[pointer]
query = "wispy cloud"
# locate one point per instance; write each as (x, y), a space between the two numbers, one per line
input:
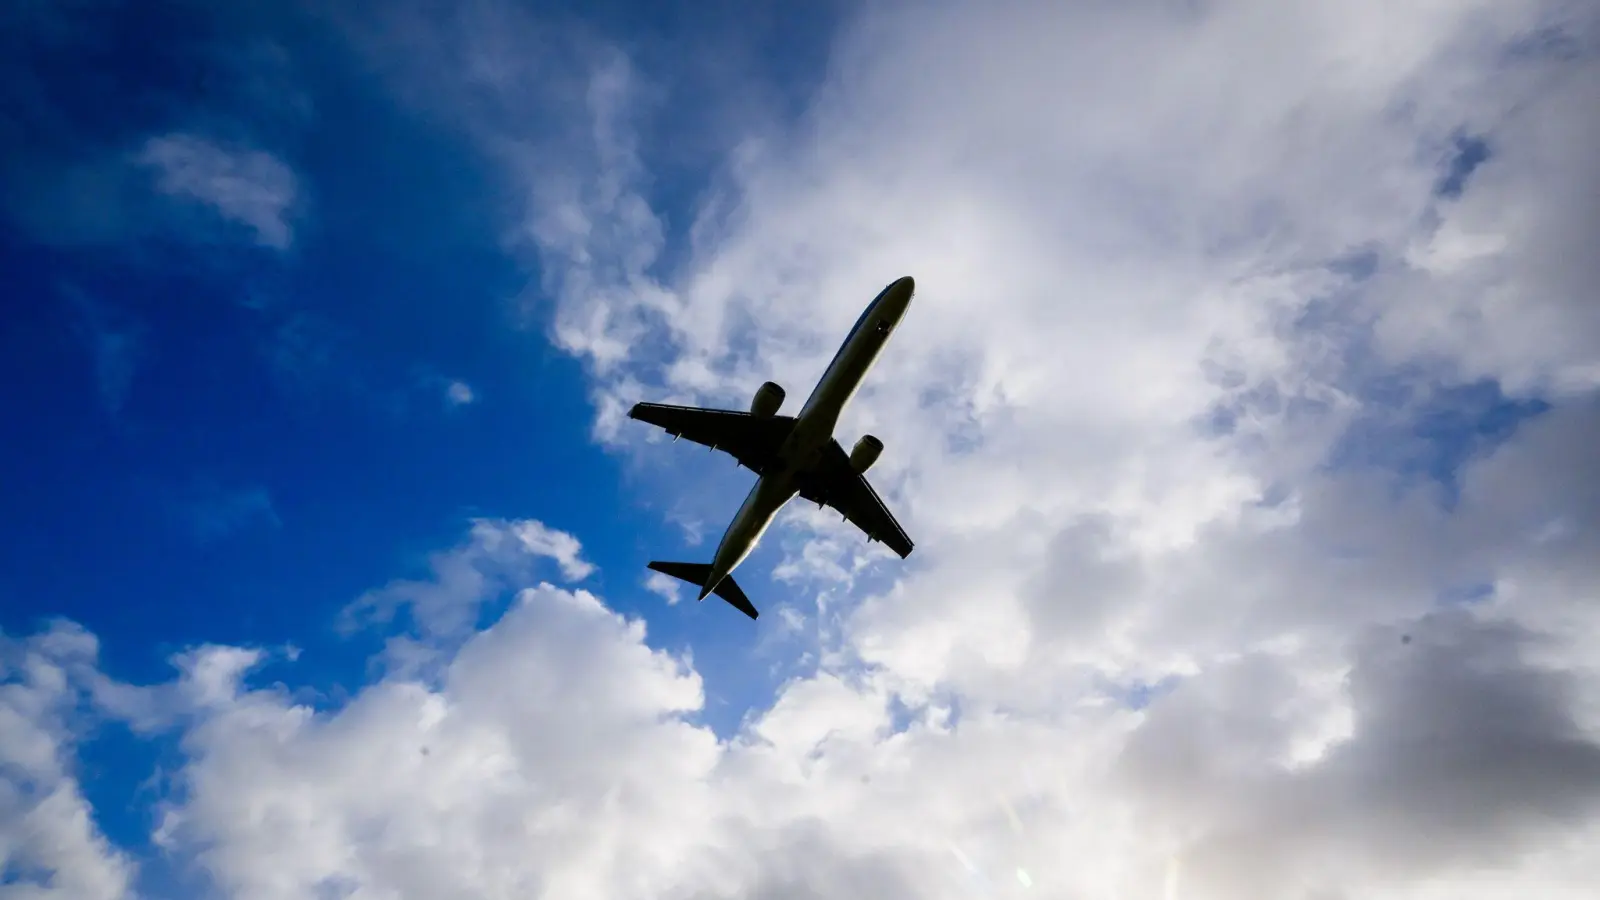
(496, 555)
(459, 393)
(212, 512)
(454, 392)
(664, 586)
(240, 185)
(115, 341)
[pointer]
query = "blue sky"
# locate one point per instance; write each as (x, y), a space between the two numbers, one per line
(213, 440)
(1257, 358)
(226, 441)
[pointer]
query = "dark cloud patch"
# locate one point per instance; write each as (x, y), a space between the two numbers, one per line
(1464, 751)
(807, 863)
(1465, 748)
(1084, 583)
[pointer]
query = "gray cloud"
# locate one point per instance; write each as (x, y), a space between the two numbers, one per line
(1462, 753)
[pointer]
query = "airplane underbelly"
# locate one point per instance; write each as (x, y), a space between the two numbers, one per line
(842, 378)
(769, 496)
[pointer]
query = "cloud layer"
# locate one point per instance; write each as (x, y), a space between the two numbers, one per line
(1243, 426)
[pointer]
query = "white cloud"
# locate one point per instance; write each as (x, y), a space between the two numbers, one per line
(548, 742)
(496, 555)
(535, 538)
(459, 393)
(243, 186)
(553, 753)
(1128, 224)
(50, 845)
(664, 586)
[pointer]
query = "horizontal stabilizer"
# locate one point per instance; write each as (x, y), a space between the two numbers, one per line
(697, 573)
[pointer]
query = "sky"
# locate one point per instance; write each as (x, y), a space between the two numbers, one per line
(1244, 420)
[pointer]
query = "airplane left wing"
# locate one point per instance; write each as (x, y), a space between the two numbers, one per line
(838, 485)
(752, 440)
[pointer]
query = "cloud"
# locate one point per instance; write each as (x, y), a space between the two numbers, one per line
(50, 845)
(539, 540)
(1160, 634)
(212, 512)
(665, 586)
(317, 359)
(496, 555)
(1170, 273)
(116, 342)
(551, 738)
(1459, 752)
(554, 750)
(459, 393)
(239, 185)
(81, 105)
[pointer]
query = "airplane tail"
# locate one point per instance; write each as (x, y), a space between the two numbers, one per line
(697, 573)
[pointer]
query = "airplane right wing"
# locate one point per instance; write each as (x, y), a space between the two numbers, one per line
(838, 485)
(752, 440)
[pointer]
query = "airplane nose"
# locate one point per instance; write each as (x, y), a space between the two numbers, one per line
(901, 290)
(895, 299)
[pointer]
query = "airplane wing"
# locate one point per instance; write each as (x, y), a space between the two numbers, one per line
(752, 440)
(837, 485)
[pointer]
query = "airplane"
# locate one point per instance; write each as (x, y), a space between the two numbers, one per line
(792, 454)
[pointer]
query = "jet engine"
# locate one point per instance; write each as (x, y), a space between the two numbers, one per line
(865, 453)
(767, 400)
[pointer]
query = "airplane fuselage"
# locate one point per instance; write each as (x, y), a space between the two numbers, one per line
(813, 428)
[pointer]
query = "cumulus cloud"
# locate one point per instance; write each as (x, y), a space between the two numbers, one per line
(1176, 267)
(242, 186)
(555, 752)
(1169, 631)
(551, 740)
(664, 586)
(50, 845)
